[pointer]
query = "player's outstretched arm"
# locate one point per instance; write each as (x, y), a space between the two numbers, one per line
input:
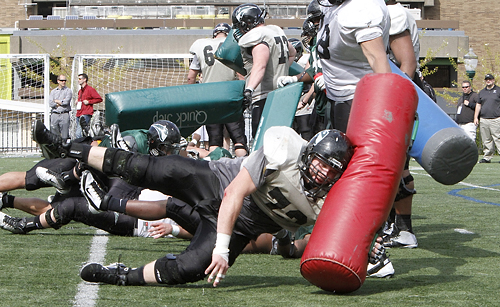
(230, 208)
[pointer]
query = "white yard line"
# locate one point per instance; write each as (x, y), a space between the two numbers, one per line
(87, 292)
(461, 182)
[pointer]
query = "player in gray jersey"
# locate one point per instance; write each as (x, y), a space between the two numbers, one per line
(352, 42)
(212, 70)
(280, 185)
(266, 53)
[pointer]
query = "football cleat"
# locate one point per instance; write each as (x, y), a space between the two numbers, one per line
(96, 197)
(52, 178)
(117, 140)
(400, 238)
(388, 228)
(13, 224)
(113, 274)
(85, 127)
(51, 144)
(382, 268)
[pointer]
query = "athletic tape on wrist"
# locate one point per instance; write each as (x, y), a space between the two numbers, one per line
(222, 246)
(175, 230)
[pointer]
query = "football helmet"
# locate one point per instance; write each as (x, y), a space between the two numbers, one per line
(334, 150)
(297, 44)
(246, 17)
(164, 138)
(221, 27)
(314, 11)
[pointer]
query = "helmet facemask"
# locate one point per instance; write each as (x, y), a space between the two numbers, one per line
(164, 138)
(323, 161)
(316, 181)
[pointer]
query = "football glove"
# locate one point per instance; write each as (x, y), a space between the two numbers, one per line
(285, 80)
(247, 97)
(319, 82)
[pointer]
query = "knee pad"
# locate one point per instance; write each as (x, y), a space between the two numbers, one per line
(48, 218)
(63, 213)
(116, 162)
(404, 191)
(167, 271)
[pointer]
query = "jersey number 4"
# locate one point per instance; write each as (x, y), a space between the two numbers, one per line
(282, 202)
(209, 55)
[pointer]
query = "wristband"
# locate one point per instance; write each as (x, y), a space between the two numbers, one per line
(222, 246)
(249, 89)
(194, 141)
(175, 230)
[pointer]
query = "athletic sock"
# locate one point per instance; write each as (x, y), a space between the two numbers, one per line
(33, 223)
(116, 204)
(403, 222)
(7, 201)
(135, 277)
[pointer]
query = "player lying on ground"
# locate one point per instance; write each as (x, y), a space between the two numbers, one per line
(287, 179)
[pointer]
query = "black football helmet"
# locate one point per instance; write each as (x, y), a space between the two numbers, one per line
(297, 44)
(221, 27)
(314, 11)
(246, 17)
(164, 138)
(332, 148)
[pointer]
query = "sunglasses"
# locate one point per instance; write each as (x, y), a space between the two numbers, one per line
(465, 86)
(63, 80)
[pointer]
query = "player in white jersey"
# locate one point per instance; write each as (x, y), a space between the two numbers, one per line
(212, 70)
(289, 177)
(404, 51)
(266, 53)
(352, 42)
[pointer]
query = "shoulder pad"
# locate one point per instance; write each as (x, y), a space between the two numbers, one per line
(399, 19)
(361, 14)
(260, 34)
(282, 146)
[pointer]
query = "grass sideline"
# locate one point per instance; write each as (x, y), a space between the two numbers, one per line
(456, 263)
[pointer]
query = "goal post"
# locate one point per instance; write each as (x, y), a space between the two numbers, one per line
(24, 94)
(110, 73)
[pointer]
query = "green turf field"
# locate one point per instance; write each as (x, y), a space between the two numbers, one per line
(456, 263)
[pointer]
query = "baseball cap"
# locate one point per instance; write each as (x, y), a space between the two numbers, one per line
(489, 76)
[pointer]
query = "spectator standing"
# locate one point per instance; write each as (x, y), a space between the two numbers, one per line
(466, 107)
(87, 97)
(488, 114)
(60, 105)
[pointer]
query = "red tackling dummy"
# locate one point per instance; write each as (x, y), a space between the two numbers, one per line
(380, 127)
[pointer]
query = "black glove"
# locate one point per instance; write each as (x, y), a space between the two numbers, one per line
(247, 97)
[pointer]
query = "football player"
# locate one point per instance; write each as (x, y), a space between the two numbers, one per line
(204, 63)
(281, 185)
(266, 53)
(352, 41)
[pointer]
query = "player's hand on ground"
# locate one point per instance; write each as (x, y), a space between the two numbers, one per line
(160, 230)
(217, 270)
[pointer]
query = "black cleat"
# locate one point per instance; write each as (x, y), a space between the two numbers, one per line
(13, 224)
(52, 178)
(97, 198)
(52, 145)
(113, 274)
